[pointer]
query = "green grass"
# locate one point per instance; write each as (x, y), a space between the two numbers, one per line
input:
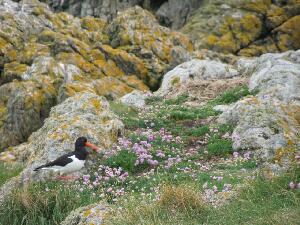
(129, 115)
(34, 205)
(123, 159)
(261, 202)
(232, 95)
(8, 171)
(219, 147)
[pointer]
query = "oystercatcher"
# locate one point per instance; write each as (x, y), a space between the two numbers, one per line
(72, 161)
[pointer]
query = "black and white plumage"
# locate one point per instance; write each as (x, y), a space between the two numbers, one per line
(70, 162)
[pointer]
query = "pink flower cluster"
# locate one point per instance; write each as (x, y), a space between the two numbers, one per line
(142, 150)
(246, 156)
(172, 161)
(218, 178)
(113, 173)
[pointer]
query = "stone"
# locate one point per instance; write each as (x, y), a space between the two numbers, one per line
(138, 32)
(195, 70)
(247, 28)
(135, 99)
(268, 123)
(91, 214)
(171, 13)
(84, 114)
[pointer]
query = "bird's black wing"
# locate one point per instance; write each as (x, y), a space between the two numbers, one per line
(61, 161)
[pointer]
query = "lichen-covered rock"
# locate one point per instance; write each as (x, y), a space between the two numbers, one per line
(268, 123)
(84, 114)
(92, 214)
(135, 98)
(247, 28)
(137, 32)
(171, 13)
(195, 70)
(52, 56)
(23, 108)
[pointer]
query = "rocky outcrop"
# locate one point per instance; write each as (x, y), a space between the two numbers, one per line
(174, 13)
(46, 57)
(84, 114)
(158, 48)
(269, 122)
(247, 28)
(171, 13)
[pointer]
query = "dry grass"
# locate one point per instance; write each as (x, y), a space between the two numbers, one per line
(181, 198)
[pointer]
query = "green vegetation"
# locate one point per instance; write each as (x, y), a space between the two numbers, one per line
(261, 202)
(43, 204)
(8, 171)
(219, 147)
(123, 159)
(170, 158)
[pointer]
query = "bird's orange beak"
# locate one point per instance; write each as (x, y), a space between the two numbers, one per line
(92, 146)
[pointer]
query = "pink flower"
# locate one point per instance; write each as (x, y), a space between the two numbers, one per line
(109, 190)
(292, 185)
(235, 154)
(215, 188)
(160, 154)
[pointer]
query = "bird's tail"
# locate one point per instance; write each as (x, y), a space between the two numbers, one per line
(38, 168)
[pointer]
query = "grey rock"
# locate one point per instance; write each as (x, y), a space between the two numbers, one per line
(195, 70)
(84, 114)
(171, 13)
(91, 214)
(268, 122)
(135, 98)
(174, 13)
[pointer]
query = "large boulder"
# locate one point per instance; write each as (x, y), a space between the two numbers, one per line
(268, 123)
(136, 99)
(137, 31)
(247, 28)
(84, 114)
(194, 71)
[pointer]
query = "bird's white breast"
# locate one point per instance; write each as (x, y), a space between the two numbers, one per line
(73, 166)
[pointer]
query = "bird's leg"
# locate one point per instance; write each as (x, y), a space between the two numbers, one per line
(68, 178)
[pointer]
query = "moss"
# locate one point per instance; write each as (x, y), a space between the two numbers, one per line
(259, 6)
(288, 34)
(13, 70)
(134, 82)
(33, 50)
(93, 24)
(109, 68)
(175, 81)
(211, 40)
(111, 88)
(96, 54)
(276, 16)
(71, 89)
(77, 60)
(96, 103)
(47, 36)
(38, 10)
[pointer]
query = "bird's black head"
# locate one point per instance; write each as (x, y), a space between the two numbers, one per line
(80, 143)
